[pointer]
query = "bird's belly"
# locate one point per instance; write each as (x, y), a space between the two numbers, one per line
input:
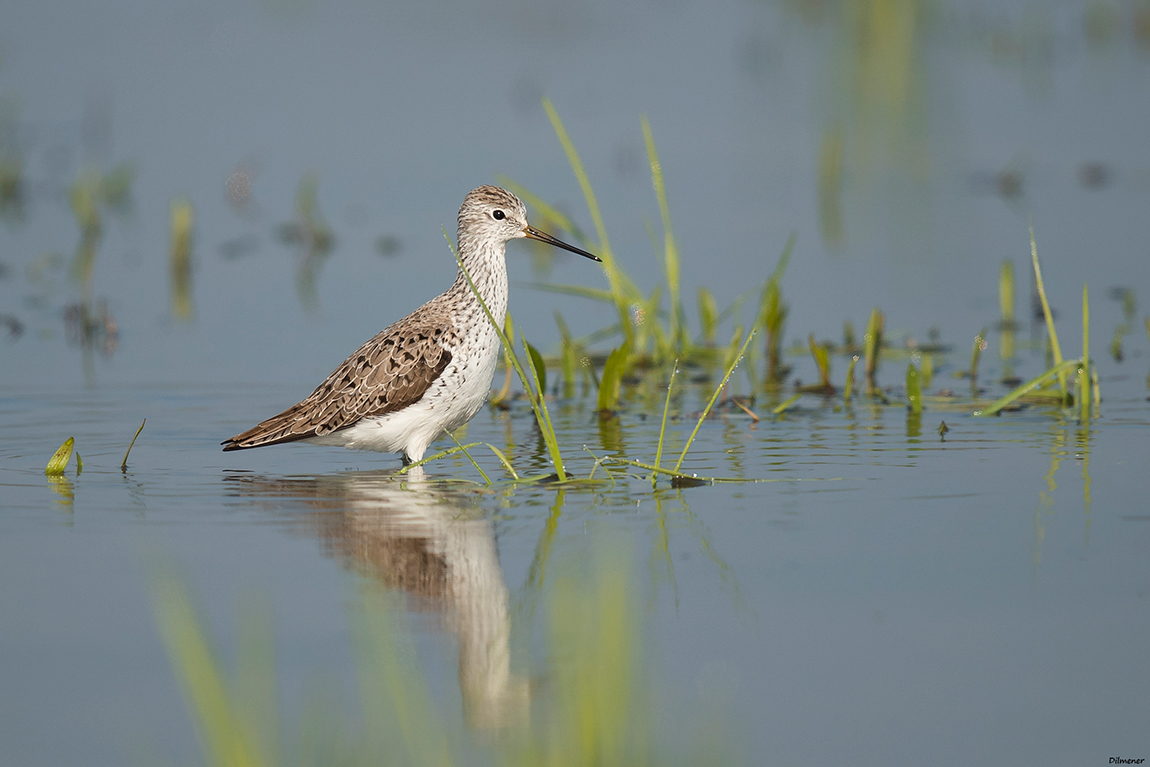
(402, 431)
(464, 386)
(452, 401)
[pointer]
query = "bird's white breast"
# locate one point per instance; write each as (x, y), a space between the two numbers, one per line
(455, 397)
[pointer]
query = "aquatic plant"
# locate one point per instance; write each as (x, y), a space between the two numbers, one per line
(773, 314)
(873, 345)
(623, 290)
(711, 403)
(59, 460)
(611, 379)
(183, 217)
(848, 385)
(708, 315)
(913, 389)
(1051, 333)
(569, 354)
(677, 337)
(1086, 375)
(1083, 390)
(786, 404)
(124, 463)
(310, 232)
(1006, 326)
(91, 196)
(640, 315)
(821, 355)
(975, 356)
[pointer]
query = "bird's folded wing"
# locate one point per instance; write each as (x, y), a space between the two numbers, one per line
(386, 374)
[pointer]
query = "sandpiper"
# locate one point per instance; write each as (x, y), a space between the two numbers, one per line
(430, 372)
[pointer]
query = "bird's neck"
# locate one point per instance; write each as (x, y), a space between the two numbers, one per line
(486, 263)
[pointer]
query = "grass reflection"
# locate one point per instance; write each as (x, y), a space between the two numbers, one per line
(1082, 441)
(1046, 497)
(596, 708)
(661, 552)
(1060, 449)
(311, 234)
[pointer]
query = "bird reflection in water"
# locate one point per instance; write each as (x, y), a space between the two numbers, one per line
(430, 542)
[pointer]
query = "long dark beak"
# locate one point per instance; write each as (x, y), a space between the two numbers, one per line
(534, 234)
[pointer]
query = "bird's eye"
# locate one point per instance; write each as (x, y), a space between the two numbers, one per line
(498, 215)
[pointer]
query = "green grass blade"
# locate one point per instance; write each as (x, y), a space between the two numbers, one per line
(913, 389)
(873, 341)
(545, 424)
(462, 449)
(435, 457)
(183, 217)
(735, 306)
(503, 460)
(255, 683)
(59, 460)
(617, 461)
(124, 463)
(663, 426)
(612, 377)
(549, 213)
(670, 250)
(848, 386)
(733, 349)
(1006, 307)
(1054, 372)
(785, 258)
(1006, 292)
(976, 354)
(595, 294)
(1051, 333)
(1082, 392)
(708, 314)
(782, 406)
(568, 356)
(201, 678)
(79, 464)
(773, 311)
(1097, 390)
(715, 396)
(614, 275)
(822, 361)
(1084, 368)
(537, 363)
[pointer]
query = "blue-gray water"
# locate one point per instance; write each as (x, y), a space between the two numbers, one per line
(978, 600)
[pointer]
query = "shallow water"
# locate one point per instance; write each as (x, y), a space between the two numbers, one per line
(882, 596)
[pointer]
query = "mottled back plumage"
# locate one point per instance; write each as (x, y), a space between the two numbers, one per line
(388, 373)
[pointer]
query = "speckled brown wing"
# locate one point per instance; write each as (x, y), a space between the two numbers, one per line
(386, 374)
